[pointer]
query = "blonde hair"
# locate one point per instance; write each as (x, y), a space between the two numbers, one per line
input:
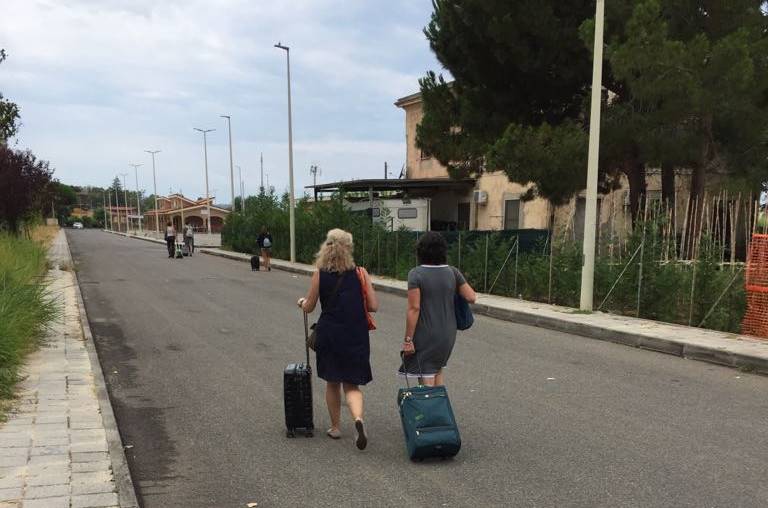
(335, 254)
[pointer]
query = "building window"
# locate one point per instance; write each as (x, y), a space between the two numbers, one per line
(512, 214)
(424, 154)
(407, 213)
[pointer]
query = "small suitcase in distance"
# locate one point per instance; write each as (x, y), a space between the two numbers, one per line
(428, 422)
(255, 263)
(185, 250)
(297, 394)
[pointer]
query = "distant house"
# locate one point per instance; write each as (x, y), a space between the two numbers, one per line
(180, 210)
(121, 216)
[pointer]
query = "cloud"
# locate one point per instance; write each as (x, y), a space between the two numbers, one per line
(100, 81)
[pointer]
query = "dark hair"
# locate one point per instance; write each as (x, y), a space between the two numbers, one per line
(264, 230)
(431, 249)
(169, 223)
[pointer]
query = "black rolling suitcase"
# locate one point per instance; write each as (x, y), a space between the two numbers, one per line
(297, 393)
(255, 263)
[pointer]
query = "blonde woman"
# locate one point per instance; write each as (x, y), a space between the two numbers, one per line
(342, 346)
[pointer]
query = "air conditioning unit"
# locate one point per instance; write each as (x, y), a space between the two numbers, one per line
(480, 197)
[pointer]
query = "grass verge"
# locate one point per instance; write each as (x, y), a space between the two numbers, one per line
(25, 306)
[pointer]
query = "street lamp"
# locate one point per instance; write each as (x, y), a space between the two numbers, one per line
(231, 170)
(590, 211)
(138, 201)
(154, 182)
(240, 179)
(292, 200)
(109, 196)
(125, 191)
(205, 155)
(117, 203)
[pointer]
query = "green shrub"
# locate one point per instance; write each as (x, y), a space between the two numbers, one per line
(519, 270)
(25, 308)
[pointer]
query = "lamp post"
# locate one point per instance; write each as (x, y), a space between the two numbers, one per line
(231, 169)
(240, 180)
(590, 212)
(292, 200)
(117, 204)
(125, 192)
(110, 211)
(205, 155)
(154, 182)
(138, 200)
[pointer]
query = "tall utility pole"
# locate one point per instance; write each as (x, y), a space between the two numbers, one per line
(261, 158)
(240, 182)
(125, 191)
(590, 212)
(154, 182)
(385, 170)
(117, 204)
(231, 168)
(292, 198)
(205, 155)
(104, 206)
(138, 200)
(111, 228)
(313, 171)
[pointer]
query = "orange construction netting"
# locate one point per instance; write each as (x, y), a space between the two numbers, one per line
(756, 318)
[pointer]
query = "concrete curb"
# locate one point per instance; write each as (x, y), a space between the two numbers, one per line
(568, 322)
(126, 493)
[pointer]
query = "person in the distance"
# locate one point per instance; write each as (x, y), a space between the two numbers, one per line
(264, 241)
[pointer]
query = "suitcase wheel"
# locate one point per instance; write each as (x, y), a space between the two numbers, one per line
(310, 434)
(290, 434)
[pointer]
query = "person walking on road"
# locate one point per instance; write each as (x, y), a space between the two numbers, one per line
(430, 325)
(189, 238)
(264, 242)
(170, 239)
(342, 344)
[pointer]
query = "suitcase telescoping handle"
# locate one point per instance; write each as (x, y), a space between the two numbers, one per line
(405, 371)
(306, 335)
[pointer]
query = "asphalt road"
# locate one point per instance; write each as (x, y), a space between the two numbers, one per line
(193, 352)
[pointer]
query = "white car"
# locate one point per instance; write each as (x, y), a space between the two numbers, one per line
(77, 225)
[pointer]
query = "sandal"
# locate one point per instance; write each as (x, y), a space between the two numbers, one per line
(362, 439)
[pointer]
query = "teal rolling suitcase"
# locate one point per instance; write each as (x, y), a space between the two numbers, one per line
(428, 422)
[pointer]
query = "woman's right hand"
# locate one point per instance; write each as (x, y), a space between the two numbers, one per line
(408, 347)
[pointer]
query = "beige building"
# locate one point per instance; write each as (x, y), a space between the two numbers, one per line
(180, 210)
(495, 203)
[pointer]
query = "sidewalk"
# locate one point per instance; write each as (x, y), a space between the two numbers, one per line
(728, 349)
(731, 350)
(60, 446)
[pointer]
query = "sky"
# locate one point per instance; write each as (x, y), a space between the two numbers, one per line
(100, 81)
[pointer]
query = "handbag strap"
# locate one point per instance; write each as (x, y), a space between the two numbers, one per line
(306, 335)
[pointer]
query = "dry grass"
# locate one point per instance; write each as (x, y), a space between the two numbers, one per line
(44, 234)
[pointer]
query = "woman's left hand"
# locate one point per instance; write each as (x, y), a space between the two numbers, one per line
(300, 302)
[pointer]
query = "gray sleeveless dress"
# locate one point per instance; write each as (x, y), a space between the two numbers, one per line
(436, 328)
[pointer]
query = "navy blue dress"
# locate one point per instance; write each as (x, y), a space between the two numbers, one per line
(343, 348)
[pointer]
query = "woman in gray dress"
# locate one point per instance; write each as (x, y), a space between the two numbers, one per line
(430, 325)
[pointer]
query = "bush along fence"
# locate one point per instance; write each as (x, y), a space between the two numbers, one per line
(647, 281)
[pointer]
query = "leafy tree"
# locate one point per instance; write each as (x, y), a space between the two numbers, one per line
(700, 68)
(9, 112)
(521, 80)
(25, 182)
